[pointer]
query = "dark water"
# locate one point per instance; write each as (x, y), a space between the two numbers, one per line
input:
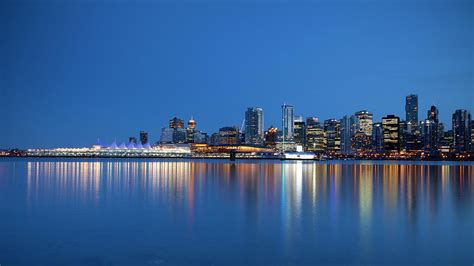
(211, 212)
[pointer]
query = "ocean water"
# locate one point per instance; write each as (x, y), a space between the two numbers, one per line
(217, 212)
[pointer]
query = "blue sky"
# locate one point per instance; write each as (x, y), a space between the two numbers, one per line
(76, 71)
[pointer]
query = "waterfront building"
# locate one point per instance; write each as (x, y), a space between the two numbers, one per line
(229, 136)
(254, 126)
(192, 123)
(365, 119)
(472, 136)
(143, 137)
(299, 128)
(332, 135)
(461, 131)
(314, 135)
(190, 130)
(430, 131)
(271, 137)
(199, 137)
(179, 135)
(446, 142)
(362, 137)
(166, 135)
(403, 130)
(214, 139)
(173, 135)
(411, 111)
(287, 113)
(377, 138)
(391, 134)
(176, 122)
(349, 128)
(132, 140)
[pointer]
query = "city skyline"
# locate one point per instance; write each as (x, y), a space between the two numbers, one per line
(363, 127)
(68, 81)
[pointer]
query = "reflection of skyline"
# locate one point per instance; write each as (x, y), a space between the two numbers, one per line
(297, 188)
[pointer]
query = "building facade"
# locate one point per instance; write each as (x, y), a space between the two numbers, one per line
(391, 134)
(461, 131)
(254, 132)
(332, 135)
(287, 113)
(143, 137)
(299, 127)
(229, 136)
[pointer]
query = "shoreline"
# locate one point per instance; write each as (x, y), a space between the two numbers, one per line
(244, 158)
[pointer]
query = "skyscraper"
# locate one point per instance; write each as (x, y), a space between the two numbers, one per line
(411, 111)
(461, 131)
(349, 127)
(191, 123)
(287, 113)
(332, 135)
(391, 134)
(314, 135)
(271, 137)
(430, 131)
(190, 130)
(377, 137)
(472, 135)
(365, 119)
(254, 132)
(132, 140)
(143, 137)
(176, 123)
(299, 130)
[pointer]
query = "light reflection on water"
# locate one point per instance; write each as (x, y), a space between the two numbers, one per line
(272, 212)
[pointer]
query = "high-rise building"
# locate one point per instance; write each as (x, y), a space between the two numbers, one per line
(299, 128)
(254, 126)
(349, 128)
(132, 140)
(143, 137)
(191, 123)
(229, 136)
(314, 135)
(411, 111)
(391, 133)
(461, 131)
(362, 137)
(430, 131)
(176, 123)
(271, 137)
(365, 119)
(402, 132)
(377, 137)
(166, 135)
(332, 135)
(190, 130)
(446, 142)
(199, 137)
(472, 135)
(214, 139)
(287, 113)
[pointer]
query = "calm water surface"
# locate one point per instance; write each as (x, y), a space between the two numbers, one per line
(211, 212)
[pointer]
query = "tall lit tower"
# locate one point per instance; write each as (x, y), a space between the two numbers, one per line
(365, 121)
(254, 132)
(461, 131)
(391, 133)
(287, 113)
(191, 123)
(411, 111)
(143, 137)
